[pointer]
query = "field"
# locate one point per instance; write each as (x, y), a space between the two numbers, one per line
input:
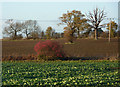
(88, 70)
(65, 73)
(82, 48)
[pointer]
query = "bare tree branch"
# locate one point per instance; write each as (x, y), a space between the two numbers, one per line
(95, 19)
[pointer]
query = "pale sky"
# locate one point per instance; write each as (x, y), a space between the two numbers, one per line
(51, 11)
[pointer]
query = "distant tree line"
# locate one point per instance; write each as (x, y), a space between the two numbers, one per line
(30, 29)
(77, 26)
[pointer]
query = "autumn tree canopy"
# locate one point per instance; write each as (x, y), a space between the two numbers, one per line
(49, 32)
(75, 22)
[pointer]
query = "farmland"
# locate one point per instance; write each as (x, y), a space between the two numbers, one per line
(66, 73)
(80, 48)
(66, 44)
(69, 73)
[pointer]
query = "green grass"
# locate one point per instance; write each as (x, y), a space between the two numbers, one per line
(81, 73)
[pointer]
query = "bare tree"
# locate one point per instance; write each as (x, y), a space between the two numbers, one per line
(12, 28)
(96, 18)
(36, 31)
(27, 27)
(31, 29)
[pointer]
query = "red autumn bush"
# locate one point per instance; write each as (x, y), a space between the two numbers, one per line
(48, 50)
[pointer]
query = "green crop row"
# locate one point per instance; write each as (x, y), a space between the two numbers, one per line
(68, 73)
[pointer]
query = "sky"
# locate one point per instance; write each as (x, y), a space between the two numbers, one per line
(48, 13)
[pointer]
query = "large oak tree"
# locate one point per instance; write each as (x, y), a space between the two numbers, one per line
(95, 18)
(75, 22)
(12, 28)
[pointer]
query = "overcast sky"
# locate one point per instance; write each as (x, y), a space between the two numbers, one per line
(51, 11)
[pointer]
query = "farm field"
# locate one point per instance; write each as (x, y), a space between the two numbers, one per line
(69, 73)
(66, 44)
(81, 72)
(80, 48)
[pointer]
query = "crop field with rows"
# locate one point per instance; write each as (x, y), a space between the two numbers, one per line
(80, 48)
(69, 73)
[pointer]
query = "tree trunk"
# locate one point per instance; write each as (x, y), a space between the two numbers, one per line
(109, 31)
(26, 34)
(96, 34)
(15, 35)
(70, 38)
(78, 33)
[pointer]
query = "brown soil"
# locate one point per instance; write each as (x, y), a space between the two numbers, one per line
(81, 48)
